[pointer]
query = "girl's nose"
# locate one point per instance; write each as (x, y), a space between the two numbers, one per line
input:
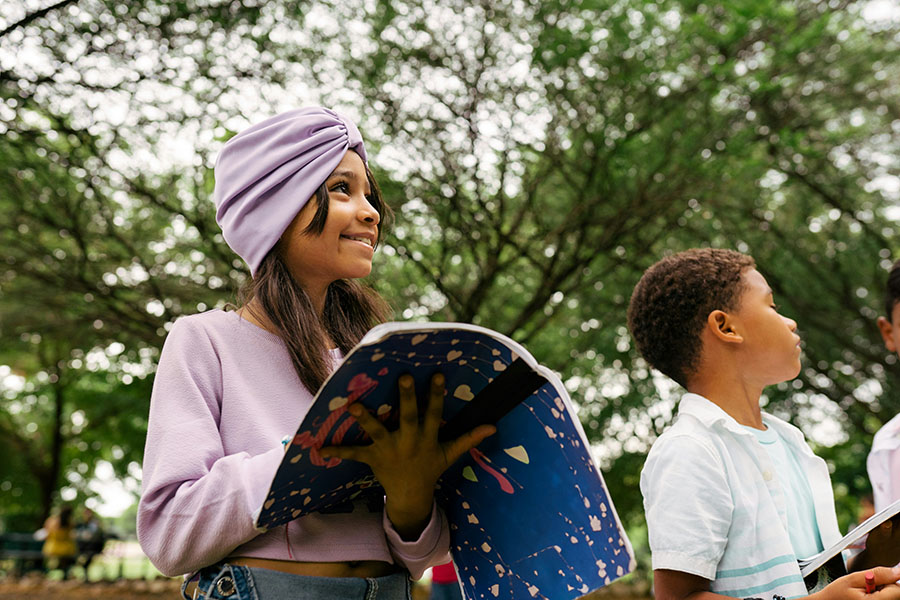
(367, 212)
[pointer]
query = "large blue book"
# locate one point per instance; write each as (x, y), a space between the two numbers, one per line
(529, 513)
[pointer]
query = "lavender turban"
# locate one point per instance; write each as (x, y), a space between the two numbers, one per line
(267, 173)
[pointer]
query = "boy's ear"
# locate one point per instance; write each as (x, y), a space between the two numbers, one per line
(721, 325)
(887, 333)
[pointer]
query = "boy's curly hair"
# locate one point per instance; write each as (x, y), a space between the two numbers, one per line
(673, 299)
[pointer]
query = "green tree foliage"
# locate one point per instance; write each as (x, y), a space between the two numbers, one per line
(539, 156)
(103, 245)
(552, 151)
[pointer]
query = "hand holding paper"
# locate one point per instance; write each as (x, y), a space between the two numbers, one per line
(409, 461)
(882, 546)
(528, 511)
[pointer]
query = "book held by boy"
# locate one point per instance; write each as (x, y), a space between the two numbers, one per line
(529, 512)
(828, 565)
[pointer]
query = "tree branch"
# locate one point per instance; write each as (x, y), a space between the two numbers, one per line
(36, 15)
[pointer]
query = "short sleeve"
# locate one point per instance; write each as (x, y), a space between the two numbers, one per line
(688, 505)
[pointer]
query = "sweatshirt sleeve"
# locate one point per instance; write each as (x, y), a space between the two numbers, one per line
(432, 547)
(197, 503)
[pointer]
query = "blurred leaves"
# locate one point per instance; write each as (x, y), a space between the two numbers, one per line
(539, 156)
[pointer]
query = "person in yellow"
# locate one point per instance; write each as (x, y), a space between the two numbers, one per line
(59, 548)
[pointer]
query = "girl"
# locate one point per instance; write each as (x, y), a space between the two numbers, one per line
(296, 200)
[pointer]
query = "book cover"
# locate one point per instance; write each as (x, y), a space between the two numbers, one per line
(828, 565)
(529, 513)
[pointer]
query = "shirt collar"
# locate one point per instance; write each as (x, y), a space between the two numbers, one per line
(710, 414)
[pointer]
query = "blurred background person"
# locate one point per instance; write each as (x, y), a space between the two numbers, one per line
(59, 548)
(90, 538)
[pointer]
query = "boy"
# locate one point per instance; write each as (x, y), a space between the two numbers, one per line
(884, 459)
(732, 495)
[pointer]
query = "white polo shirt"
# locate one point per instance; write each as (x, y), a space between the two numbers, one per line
(715, 508)
(883, 464)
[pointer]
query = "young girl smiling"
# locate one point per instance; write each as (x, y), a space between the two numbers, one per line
(296, 200)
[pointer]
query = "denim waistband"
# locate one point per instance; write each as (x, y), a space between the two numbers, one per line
(237, 582)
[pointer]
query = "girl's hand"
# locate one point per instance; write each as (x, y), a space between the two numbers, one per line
(853, 586)
(409, 461)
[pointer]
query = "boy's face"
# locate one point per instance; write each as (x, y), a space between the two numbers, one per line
(890, 330)
(770, 348)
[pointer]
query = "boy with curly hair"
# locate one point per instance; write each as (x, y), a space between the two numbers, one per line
(732, 495)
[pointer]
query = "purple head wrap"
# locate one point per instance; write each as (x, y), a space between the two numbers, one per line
(267, 173)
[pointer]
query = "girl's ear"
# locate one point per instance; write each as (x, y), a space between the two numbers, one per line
(721, 325)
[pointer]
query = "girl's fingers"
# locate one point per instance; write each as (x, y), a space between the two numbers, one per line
(342, 452)
(363, 454)
(456, 448)
(369, 424)
(409, 412)
(412, 440)
(435, 408)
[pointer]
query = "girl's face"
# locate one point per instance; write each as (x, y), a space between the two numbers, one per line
(346, 244)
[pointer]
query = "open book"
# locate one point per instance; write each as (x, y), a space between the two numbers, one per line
(829, 563)
(529, 513)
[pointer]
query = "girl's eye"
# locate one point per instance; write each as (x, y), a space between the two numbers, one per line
(340, 187)
(775, 306)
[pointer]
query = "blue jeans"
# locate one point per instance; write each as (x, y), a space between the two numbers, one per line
(235, 582)
(445, 591)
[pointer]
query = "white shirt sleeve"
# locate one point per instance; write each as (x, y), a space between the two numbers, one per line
(688, 506)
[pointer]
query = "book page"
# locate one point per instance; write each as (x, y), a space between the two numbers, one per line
(808, 565)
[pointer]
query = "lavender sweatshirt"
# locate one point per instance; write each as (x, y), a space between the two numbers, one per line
(224, 395)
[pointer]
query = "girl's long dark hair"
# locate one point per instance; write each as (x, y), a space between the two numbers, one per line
(351, 308)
